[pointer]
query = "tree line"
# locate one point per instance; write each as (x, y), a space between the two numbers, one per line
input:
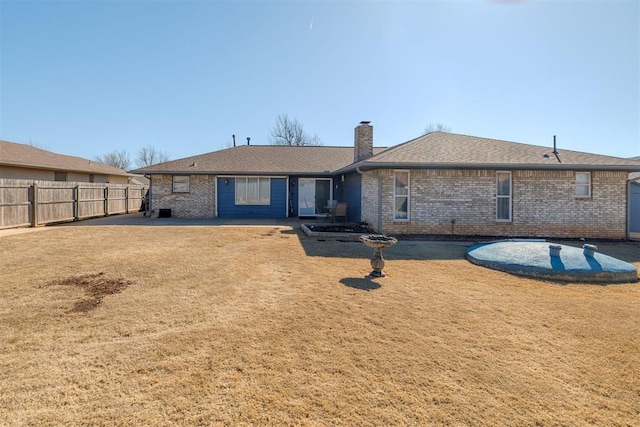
(145, 156)
(286, 131)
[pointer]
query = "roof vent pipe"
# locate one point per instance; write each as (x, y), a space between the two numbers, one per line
(234, 140)
(248, 141)
(554, 145)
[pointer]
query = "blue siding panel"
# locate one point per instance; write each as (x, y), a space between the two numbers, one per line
(351, 194)
(227, 207)
(634, 208)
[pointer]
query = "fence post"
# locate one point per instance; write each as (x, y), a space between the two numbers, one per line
(76, 203)
(126, 199)
(34, 205)
(106, 201)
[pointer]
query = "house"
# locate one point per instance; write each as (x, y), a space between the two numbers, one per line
(21, 161)
(255, 181)
(439, 183)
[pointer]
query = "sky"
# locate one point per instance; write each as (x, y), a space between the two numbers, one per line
(85, 78)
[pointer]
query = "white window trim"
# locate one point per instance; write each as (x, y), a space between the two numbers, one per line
(588, 184)
(246, 178)
(503, 196)
(396, 196)
(173, 184)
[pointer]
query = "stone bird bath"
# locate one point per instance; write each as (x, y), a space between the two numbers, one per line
(377, 242)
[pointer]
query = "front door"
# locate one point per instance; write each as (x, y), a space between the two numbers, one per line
(313, 196)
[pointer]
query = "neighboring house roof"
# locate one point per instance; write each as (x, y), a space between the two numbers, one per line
(139, 180)
(260, 159)
(26, 156)
(448, 150)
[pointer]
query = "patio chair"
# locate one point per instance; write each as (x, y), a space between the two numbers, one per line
(340, 213)
(330, 209)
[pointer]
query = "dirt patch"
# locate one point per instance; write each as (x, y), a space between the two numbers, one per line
(96, 286)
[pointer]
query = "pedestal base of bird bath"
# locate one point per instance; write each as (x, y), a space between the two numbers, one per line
(377, 242)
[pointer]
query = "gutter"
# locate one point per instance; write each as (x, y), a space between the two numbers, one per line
(327, 174)
(492, 166)
(360, 167)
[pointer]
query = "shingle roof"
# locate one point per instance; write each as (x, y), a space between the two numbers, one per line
(26, 156)
(448, 150)
(434, 150)
(260, 159)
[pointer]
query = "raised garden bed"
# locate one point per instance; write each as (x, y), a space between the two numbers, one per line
(347, 231)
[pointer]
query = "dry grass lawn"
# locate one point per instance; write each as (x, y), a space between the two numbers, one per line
(263, 326)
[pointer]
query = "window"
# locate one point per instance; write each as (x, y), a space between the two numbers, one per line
(583, 184)
(503, 196)
(180, 184)
(253, 191)
(60, 176)
(401, 196)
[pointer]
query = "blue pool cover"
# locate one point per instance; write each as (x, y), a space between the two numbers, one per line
(533, 259)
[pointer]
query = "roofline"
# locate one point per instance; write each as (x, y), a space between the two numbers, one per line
(66, 169)
(238, 173)
(363, 166)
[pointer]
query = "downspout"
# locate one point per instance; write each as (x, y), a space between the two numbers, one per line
(628, 231)
(286, 203)
(215, 188)
(361, 204)
(149, 208)
(379, 228)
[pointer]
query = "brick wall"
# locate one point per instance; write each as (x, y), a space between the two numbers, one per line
(463, 202)
(370, 198)
(199, 202)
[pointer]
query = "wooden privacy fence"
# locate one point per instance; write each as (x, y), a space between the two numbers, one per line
(32, 203)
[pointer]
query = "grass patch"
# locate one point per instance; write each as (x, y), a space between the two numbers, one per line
(246, 326)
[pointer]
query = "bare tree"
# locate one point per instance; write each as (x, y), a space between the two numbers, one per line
(149, 155)
(290, 132)
(436, 127)
(118, 159)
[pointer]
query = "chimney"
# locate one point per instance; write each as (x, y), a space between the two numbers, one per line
(363, 141)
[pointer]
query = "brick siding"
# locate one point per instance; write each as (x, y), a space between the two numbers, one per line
(199, 202)
(463, 202)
